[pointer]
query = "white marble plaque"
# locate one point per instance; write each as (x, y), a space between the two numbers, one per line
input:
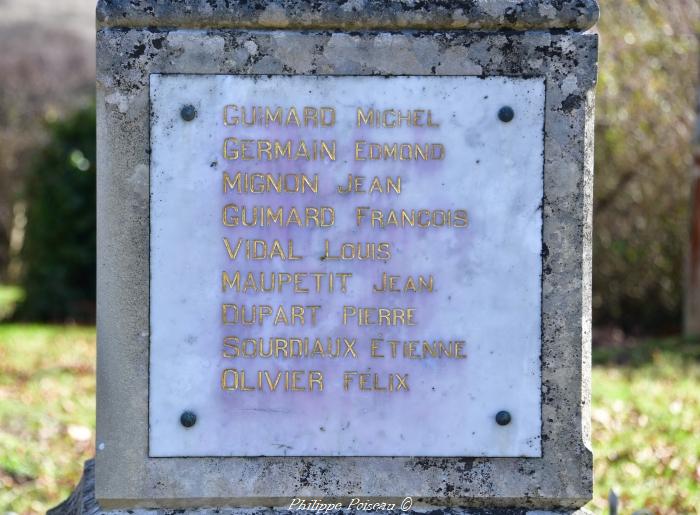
(345, 266)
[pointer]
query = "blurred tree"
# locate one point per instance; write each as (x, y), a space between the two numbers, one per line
(59, 246)
(648, 68)
(46, 68)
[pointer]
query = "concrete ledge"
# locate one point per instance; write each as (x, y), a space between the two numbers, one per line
(82, 502)
(351, 14)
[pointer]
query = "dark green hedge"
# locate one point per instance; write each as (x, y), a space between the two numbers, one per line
(58, 255)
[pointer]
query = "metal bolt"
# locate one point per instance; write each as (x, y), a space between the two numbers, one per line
(503, 418)
(506, 114)
(188, 419)
(188, 112)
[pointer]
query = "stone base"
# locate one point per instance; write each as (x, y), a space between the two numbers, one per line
(82, 502)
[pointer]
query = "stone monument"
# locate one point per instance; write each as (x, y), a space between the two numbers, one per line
(344, 255)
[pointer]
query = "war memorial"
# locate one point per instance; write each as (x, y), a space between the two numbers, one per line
(344, 256)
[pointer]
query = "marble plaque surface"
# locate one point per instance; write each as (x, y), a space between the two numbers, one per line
(345, 266)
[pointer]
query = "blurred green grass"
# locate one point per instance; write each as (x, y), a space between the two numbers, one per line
(47, 411)
(646, 410)
(646, 414)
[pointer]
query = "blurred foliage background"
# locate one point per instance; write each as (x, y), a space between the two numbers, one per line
(646, 392)
(58, 251)
(645, 119)
(47, 135)
(644, 124)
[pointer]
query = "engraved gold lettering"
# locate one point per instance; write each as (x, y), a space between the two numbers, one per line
(289, 380)
(275, 150)
(266, 116)
(380, 251)
(356, 184)
(289, 347)
(420, 218)
(247, 315)
(393, 118)
(381, 316)
(370, 151)
(282, 282)
(374, 382)
(242, 182)
(259, 250)
(235, 215)
(316, 378)
(395, 284)
(418, 349)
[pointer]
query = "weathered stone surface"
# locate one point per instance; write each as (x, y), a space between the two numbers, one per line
(83, 502)
(129, 51)
(125, 60)
(351, 14)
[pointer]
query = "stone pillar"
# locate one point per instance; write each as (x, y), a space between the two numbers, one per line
(495, 142)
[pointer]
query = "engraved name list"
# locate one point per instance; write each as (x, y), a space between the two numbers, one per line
(249, 157)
